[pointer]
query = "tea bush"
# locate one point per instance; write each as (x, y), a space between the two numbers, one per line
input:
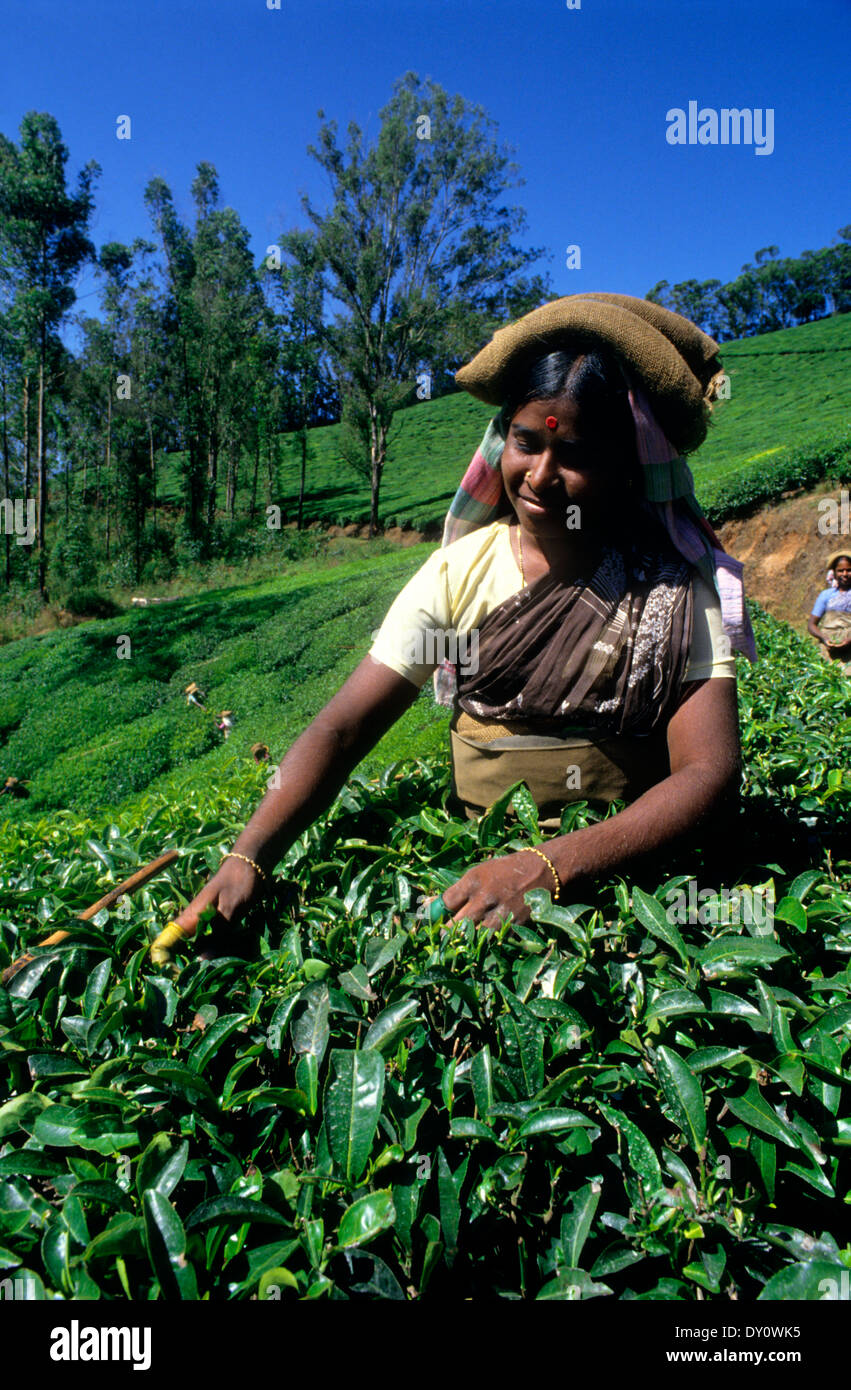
(354, 1103)
(758, 483)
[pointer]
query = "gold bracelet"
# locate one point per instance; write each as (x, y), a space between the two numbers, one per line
(233, 855)
(530, 849)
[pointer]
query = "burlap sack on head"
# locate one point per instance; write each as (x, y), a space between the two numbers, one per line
(675, 362)
(836, 555)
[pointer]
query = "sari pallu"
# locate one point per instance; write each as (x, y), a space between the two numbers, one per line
(575, 686)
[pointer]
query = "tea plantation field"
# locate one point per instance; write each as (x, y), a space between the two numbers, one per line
(355, 1104)
(89, 728)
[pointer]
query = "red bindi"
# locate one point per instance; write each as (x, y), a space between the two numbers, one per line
(552, 422)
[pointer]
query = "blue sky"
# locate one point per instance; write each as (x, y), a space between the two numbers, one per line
(582, 94)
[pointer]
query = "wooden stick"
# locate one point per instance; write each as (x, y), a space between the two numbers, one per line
(134, 881)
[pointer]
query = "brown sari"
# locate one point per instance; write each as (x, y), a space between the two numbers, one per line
(576, 683)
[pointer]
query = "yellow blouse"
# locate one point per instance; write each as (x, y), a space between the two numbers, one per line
(437, 615)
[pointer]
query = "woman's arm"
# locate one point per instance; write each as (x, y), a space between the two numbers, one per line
(309, 778)
(813, 628)
(704, 754)
(703, 750)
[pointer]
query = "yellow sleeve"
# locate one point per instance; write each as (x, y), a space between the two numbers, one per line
(416, 633)
(437, 615)
(710, 654)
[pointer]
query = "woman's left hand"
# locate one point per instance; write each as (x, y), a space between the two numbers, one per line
(490, 892)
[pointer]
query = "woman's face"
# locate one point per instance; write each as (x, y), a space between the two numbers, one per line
(842, 573)
(548, 468)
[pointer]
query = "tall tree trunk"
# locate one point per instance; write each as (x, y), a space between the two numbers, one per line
(6, 482)
(138, 519)
(27, 465)
(213, 461)
(42, 473)
(233, 476)
(212, 469)
(193, 479)
(108, 461)
(253, 506)
(378, 451)
(303, 443)
(153, 464)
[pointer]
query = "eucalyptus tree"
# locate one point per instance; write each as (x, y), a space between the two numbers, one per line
(296, 288)
(149, 347)
(180, 327)
(43, 237)
(215, 307)
(10, 366)
(419, 251)
(839, 271)
(230, 310)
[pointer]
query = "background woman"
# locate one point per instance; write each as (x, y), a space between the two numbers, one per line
(830, 619)
(605, 610)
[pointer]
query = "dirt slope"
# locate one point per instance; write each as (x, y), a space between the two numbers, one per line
(784, 553)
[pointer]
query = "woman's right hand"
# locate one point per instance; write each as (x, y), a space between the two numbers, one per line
(233, 889)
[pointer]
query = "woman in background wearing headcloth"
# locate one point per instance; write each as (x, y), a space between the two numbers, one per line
(604, 610)
(830, 619)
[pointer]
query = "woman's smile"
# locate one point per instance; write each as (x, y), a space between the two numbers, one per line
(549, 507)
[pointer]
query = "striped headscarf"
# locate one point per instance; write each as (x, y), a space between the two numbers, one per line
(668, 495)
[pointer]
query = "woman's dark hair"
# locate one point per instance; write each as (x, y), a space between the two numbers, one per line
(595, 381)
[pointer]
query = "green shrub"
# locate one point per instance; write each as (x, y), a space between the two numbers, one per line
(355, 1103)
(73, 559)
(88, 603)
(159, 558)
(757, 484)
(596, 1105)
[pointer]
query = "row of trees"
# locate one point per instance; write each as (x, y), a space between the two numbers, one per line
(197, 349)
(775, 292)
(201, 353)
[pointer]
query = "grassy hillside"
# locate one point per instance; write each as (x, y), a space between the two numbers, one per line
(430, 445)
(788, 389)
(786, 423)
(89, 728)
